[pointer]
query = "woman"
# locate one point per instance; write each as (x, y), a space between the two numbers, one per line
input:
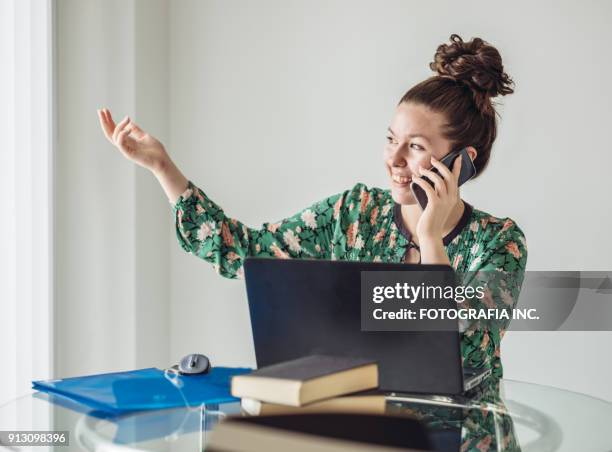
(448, 111)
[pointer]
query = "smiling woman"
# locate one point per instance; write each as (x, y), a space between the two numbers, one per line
(449, 110)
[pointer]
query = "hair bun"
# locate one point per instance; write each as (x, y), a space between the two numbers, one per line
(476, 64)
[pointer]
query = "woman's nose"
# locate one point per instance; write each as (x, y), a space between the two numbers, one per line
(397, 158)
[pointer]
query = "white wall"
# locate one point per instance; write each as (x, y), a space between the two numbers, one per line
(271, 105)
(111, 219)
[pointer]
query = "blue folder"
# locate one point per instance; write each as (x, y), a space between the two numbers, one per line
(145, 425)
(118, 393)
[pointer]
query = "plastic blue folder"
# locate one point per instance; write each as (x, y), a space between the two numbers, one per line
(142, 425)
(143, 389)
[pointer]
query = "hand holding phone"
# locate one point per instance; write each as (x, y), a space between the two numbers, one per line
(468, 170)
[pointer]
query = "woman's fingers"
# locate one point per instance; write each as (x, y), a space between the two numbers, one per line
(429, 190)
(123, 141)
(104, 125)
(111, 131)
(109, 118)
(451, 177)
(439, 183)
(137, 131)
(108, 125)
(124, 122)
(442, 168)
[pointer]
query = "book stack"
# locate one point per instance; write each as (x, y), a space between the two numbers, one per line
(316, 403)
(313, 384)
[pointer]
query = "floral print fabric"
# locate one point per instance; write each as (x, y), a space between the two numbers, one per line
(484, 423)
(359, 225)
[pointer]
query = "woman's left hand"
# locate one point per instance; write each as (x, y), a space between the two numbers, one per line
(440, 200)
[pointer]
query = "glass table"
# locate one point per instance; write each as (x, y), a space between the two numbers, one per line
(511, 415)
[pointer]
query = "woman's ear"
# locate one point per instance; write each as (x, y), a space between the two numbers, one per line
(471, 150)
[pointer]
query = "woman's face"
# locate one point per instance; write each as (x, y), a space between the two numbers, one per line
(414, 136)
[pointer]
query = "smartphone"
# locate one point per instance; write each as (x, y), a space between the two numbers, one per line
(468, 170)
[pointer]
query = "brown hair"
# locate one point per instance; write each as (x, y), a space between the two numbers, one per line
(469, 75)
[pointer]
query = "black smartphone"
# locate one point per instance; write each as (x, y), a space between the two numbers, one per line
(468, 170)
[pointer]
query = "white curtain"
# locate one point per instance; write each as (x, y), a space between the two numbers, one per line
(26, 194)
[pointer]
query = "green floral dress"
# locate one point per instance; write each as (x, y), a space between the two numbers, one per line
(364, 224)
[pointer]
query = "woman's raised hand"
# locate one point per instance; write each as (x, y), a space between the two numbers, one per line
(143, 149)
(133, 142)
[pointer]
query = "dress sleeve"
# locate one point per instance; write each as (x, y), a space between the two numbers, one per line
(499, 271)
(203, 229)
(502, 269)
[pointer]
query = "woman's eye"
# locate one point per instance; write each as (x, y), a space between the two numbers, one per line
(417, 147)
(389, 139)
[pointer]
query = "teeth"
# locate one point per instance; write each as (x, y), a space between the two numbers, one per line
(400, 179)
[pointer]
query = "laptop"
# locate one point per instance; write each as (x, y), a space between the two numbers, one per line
(303, 307)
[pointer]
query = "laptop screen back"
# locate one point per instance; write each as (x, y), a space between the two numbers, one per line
(304, 307)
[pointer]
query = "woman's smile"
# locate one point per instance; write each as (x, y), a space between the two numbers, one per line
(401, 181)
